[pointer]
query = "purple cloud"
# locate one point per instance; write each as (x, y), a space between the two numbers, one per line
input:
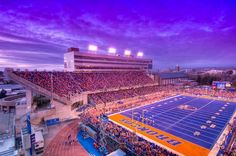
(192, 34)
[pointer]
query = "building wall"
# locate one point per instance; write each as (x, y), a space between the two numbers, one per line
(76, 61)
(69, 64)
(171, 81)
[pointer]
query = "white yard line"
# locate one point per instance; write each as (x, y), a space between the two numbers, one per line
(145, 105)
(189, 115)
(174, 107)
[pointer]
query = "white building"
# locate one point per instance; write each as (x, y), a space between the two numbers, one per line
(76, 61)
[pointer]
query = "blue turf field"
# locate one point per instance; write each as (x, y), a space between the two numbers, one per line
(167, 116)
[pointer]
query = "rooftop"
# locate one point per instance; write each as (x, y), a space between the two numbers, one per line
(168, 75)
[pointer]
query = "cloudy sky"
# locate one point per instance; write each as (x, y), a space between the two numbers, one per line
(35, 34)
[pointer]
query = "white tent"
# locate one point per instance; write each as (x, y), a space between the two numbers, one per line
(118, 152)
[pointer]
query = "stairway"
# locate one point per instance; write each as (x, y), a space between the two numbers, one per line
(9, 152)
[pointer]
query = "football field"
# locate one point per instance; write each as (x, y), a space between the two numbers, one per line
(183, 124)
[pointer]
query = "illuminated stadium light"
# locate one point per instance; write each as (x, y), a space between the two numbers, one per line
(127, 52)
(112, 50)
(140, 54)
(92, 47)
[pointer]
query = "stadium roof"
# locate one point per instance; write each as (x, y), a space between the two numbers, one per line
(170, 75)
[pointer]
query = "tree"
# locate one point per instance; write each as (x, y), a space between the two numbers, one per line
(199, 79)
(230, 72)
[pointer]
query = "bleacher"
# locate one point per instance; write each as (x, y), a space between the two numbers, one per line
(105, 97)
(68, 83)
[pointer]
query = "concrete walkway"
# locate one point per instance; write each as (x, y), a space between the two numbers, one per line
(57, 146)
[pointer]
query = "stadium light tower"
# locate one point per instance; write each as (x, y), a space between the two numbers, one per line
(127, 52)
(140, 54)
(112, 50)
(92, 48)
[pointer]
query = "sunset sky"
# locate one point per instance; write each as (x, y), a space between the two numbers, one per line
(200, 33)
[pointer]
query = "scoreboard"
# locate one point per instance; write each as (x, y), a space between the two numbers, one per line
(221, 84)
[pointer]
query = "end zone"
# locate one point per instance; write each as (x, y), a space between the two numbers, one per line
(161, 138)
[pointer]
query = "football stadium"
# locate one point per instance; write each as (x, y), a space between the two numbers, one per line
(108, 104)
(184, 124)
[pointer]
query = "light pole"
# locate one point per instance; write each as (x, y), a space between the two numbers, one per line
(143, 111)
(132, 121)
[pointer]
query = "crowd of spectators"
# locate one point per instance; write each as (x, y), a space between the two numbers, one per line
(61, 83)
(228, 146)
(135, 143)
(95, 81)
(129, 139)
(105, 97)
(223, 94)
(125, 138)
(69, 83)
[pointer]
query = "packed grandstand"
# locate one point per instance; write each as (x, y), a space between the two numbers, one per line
(65, 83)
(112, 92)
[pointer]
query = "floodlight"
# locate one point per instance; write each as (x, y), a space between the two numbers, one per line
(92, 47)
(140, 54)
(127, 52)
(112, 50)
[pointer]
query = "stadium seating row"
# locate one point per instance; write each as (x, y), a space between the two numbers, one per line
(68, 83)
(105, 97)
